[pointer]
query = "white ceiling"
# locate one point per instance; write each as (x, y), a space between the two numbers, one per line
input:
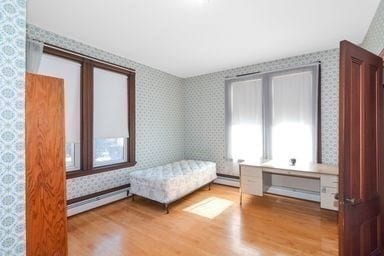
(192, 37)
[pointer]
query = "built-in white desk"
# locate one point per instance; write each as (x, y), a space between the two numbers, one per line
(254, 181)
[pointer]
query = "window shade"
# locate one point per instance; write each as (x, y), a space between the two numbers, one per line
(70, 71)
(294, 117)
(246, 131)
(110, 115)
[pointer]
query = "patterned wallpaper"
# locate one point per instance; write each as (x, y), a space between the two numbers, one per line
(159, 116)
(205, 113)
(374, 39)
(171, 112)
(12, 166)
(194, 107)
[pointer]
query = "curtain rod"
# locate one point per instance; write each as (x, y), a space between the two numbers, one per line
(82, 55)
(271, 71)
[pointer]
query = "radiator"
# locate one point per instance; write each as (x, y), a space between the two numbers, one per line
(95, 202)
(227, 181)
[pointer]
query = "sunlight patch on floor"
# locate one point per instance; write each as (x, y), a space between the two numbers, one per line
(210, 207)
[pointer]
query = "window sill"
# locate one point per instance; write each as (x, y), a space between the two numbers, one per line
(100, 169)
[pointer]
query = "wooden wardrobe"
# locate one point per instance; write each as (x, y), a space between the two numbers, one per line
(46, 214)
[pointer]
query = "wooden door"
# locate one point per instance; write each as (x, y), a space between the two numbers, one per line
(360, 151)
(45, 167)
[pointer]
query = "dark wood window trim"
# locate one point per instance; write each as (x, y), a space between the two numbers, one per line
(86, 136)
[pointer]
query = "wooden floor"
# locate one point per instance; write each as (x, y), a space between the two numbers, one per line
(269, 225)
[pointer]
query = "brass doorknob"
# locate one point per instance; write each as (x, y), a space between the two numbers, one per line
(352, 201)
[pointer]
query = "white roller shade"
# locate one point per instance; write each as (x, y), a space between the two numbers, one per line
(70, 71)
(110, 108)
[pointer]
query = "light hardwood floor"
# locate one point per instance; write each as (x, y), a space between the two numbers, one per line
(270, 225)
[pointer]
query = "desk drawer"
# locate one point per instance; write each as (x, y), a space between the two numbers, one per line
(253, 187)
(250, 179)
(327, 199)
(251, 171)
(330, 181)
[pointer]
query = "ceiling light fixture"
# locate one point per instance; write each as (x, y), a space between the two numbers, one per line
(203, 1)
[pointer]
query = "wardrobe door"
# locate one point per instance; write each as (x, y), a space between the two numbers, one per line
(46, 215)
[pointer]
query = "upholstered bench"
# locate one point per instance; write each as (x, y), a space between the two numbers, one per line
(168, 183)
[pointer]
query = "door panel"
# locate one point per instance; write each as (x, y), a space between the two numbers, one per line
(46, 214)
(360, 150)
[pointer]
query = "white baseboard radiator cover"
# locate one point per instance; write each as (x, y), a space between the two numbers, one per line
(228, 181)
(95, 202)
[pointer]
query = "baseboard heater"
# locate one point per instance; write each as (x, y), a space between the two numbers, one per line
(228, 180)
(88, 202)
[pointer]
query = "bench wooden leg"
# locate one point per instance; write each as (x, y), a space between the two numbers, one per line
(209, 185)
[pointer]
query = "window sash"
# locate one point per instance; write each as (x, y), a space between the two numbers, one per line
(111, 162)
(75, 157)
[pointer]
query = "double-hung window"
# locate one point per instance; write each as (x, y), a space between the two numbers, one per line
(99, 112)
(274, 116)
(110, 117)
(246, 129)
(70, 71)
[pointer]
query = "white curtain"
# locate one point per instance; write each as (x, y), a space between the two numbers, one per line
(70, 71)
(245, 131)
(110, 114)
(294, 117)
(34, 52)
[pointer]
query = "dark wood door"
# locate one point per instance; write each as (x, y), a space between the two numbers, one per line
(360, 151)
(46, 214)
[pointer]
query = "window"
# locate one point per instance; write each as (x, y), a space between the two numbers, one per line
(109, 151)
(99, 112)
(110, 117)
(273, 116)
(294, 114)
(246, 129)
(70, 71)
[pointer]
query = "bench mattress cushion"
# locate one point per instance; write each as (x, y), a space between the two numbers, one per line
(170, 182)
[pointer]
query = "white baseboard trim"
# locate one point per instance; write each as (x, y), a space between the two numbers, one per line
(92, 203)
(292, 192)
(227, 181)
